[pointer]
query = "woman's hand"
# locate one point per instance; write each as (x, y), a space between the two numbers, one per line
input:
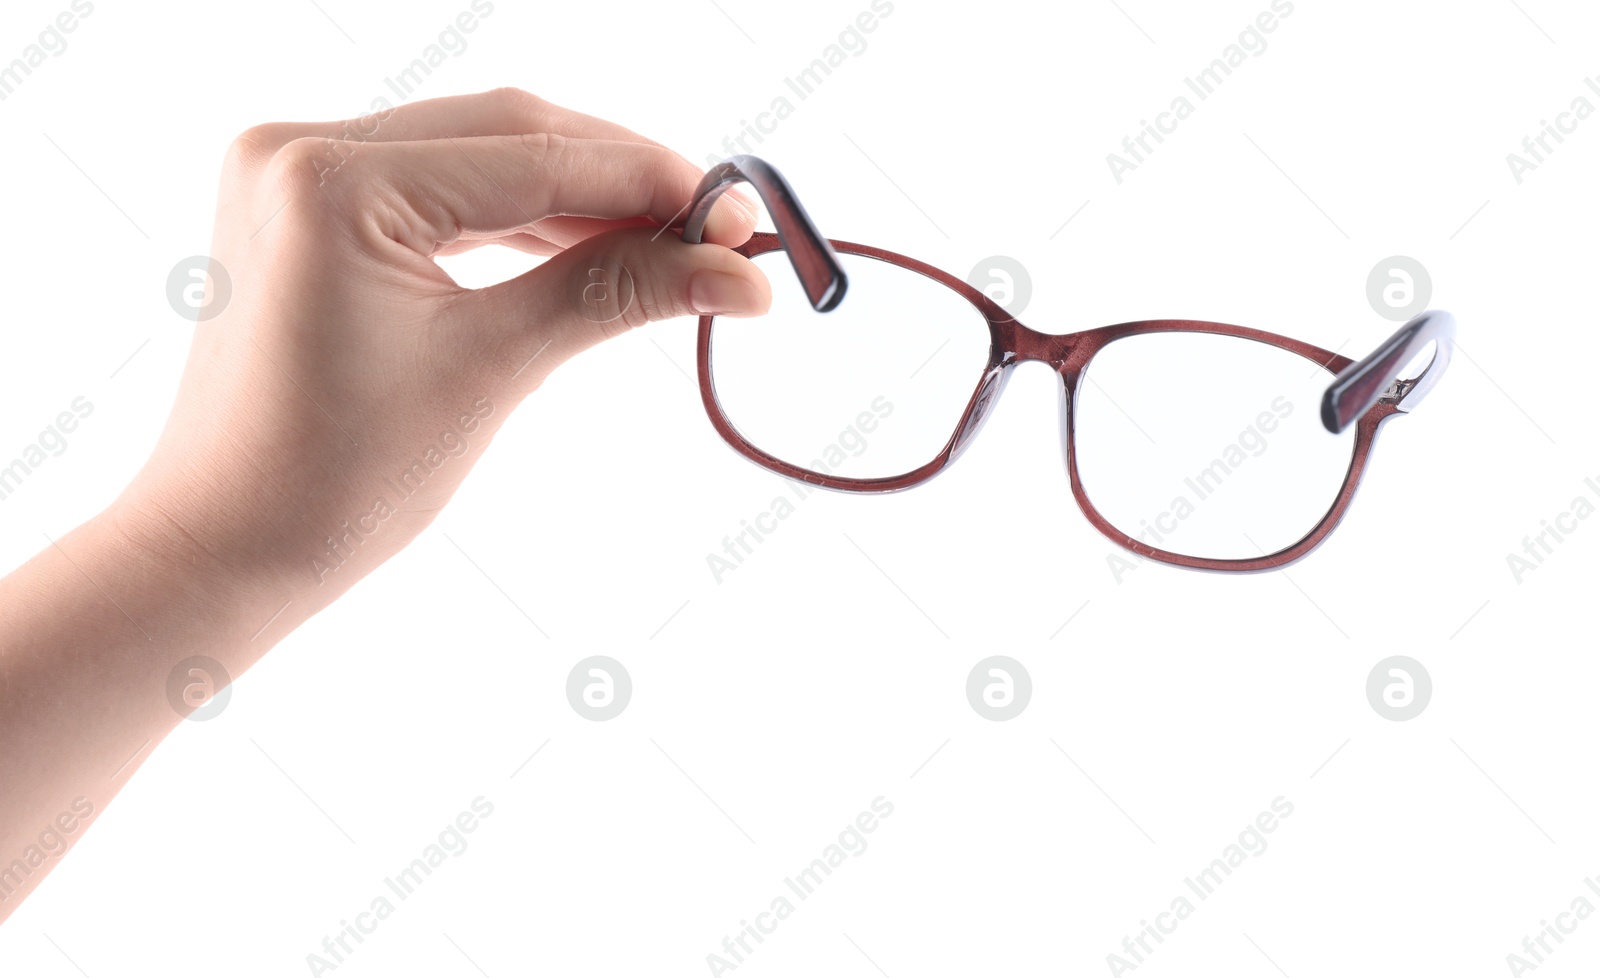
(345, 355)
(329, 410)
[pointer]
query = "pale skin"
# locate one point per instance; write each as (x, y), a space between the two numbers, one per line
(343, 352)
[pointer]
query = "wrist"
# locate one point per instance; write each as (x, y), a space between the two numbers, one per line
(207, 564)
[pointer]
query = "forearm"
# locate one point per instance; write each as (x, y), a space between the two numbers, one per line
(90, 630)
(335, 397)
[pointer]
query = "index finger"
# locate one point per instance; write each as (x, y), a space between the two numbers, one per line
(500, 184)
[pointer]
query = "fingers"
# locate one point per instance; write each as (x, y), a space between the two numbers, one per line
(501, 112)
(427, 194)
(601, 288)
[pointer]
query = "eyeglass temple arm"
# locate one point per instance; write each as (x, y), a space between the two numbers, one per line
(809, 252)
(1376, 376)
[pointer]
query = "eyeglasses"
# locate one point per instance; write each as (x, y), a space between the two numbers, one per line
(1194, 443)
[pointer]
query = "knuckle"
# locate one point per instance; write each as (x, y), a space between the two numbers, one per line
(649, 306)
(656, 299)
(307, 163)
(545, 154)
(299, 186)
(523, 104)
(618, 290)
(252, 148)
(545, 149)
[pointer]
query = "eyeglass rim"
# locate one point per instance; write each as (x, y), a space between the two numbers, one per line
(1012, 343)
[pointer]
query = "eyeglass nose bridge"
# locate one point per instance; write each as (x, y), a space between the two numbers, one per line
(1017, 343)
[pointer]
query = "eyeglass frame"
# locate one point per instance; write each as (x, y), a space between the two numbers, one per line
(1366, 393)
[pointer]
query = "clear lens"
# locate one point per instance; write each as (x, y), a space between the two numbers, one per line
(873, 389)
(1207, 445)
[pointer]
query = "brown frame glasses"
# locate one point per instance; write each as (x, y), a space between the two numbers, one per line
(1365, 393)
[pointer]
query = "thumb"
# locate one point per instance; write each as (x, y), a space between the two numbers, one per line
(605, 286)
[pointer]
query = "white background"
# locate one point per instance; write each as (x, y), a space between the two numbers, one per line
(770, 709)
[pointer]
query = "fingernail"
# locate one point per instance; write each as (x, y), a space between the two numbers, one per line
(720, 294)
